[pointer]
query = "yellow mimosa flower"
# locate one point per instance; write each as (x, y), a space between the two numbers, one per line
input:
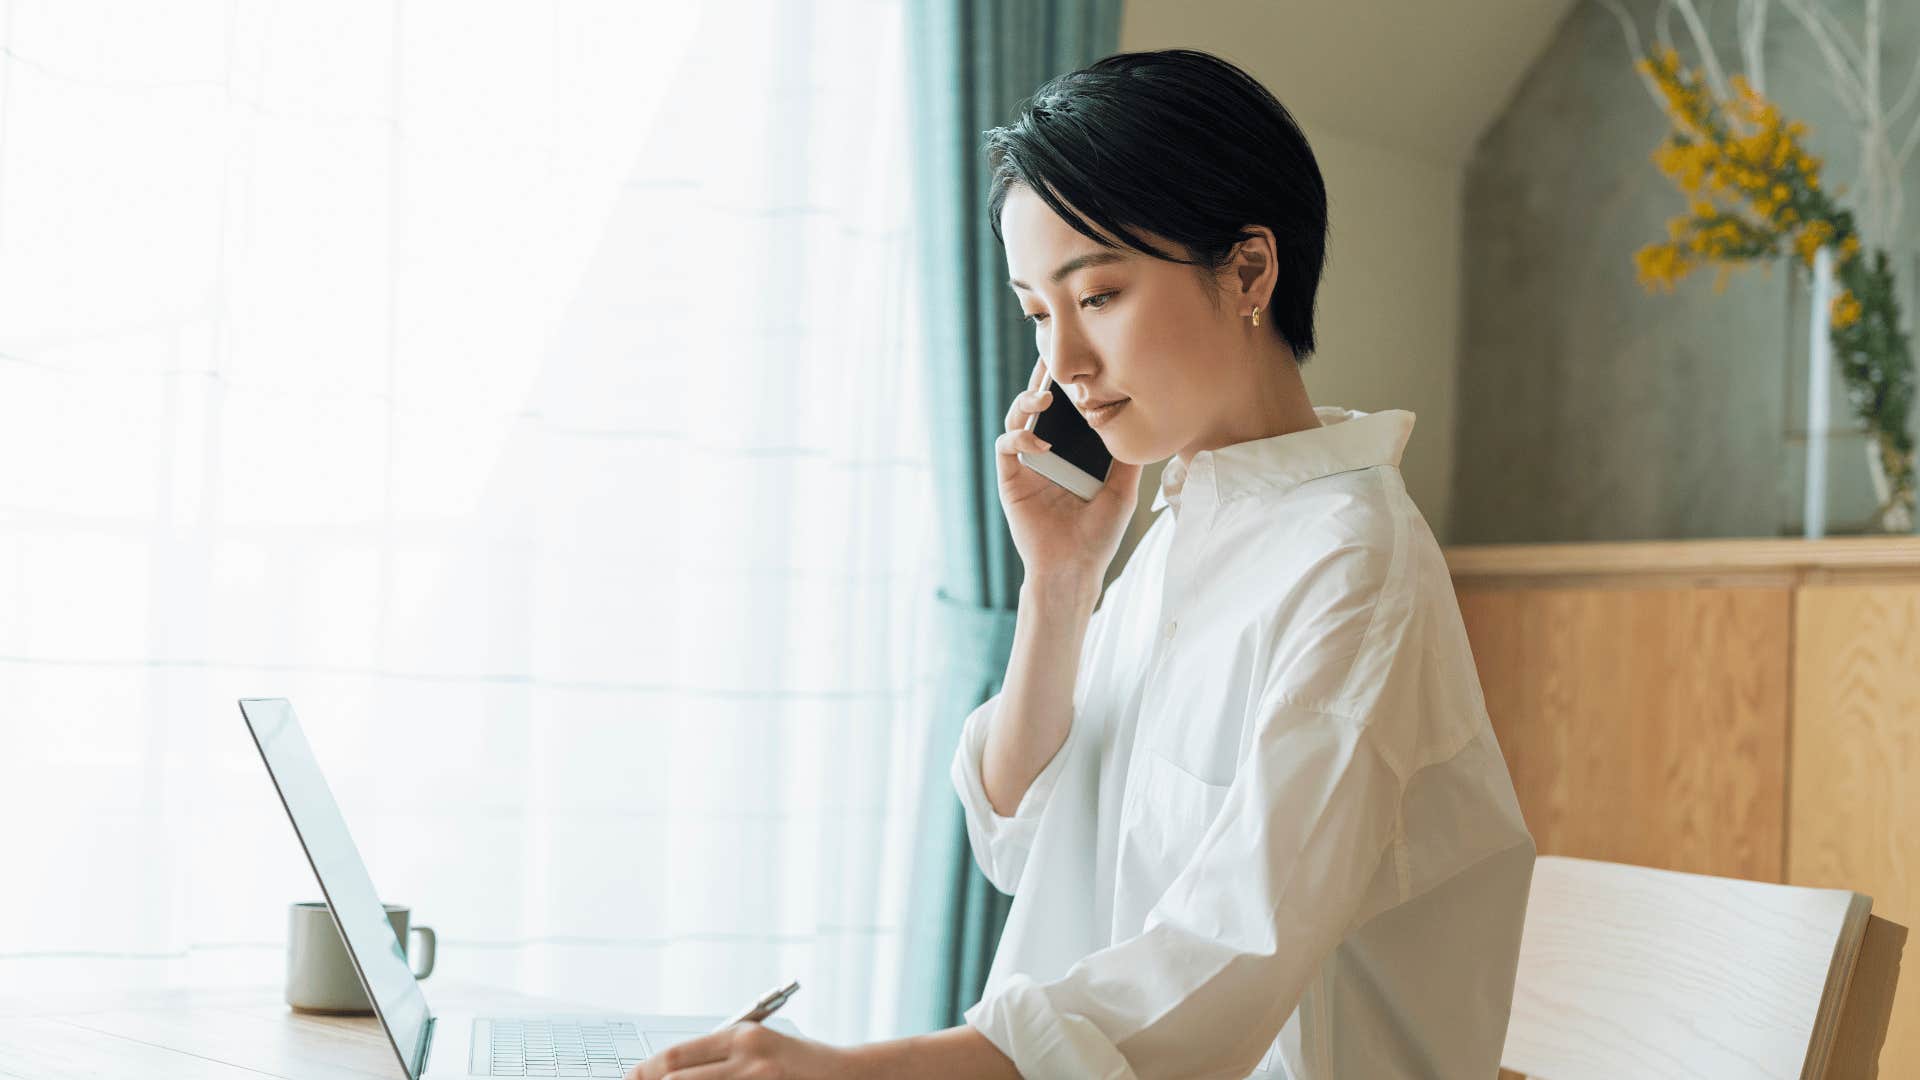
(1810, 239)
(1728, 156)
(1660, 265)
(1845, 310)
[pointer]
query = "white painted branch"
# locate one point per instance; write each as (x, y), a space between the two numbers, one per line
(1838, 32)
(1709, 60)
(1907, 145)
(1852, 107)
(1908, 94)
(1753, 41)
(1897, 200)
(1847, 83)
(1633, 48)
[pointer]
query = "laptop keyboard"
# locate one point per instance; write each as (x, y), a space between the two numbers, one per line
(565, 1047)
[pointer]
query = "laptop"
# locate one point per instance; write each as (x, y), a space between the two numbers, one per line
(432, 1046)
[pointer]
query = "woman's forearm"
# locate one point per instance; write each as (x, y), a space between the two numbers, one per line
(1036, 700)
(958, 1053)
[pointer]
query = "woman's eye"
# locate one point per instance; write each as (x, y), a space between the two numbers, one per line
(1037, 316)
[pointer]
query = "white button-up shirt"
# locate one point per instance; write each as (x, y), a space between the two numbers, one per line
(1279, 838)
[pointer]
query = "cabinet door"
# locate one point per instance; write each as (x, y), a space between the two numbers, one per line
(1854, 807)
(1642, 725)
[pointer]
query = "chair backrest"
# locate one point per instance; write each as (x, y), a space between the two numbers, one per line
(1630, 971)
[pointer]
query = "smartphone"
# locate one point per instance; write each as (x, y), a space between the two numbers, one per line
(1078, 460)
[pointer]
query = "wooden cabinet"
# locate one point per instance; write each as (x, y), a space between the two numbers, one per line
(1743, 708)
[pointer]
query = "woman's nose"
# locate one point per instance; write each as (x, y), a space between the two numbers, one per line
(1070, 358)
(1068, 370)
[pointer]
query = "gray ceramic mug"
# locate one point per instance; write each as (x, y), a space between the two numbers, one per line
(320, 975)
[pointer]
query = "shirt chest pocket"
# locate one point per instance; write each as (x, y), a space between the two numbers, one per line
(1194, 715)
(1167, 811)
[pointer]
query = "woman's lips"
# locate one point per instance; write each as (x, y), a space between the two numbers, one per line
(1099, 416)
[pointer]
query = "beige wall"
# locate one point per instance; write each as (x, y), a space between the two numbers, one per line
(1389, 309)
(1389, 305)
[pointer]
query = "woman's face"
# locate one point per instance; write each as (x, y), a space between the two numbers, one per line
(1122, 324)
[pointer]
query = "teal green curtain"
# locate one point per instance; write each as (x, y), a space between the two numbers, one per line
(971, 63)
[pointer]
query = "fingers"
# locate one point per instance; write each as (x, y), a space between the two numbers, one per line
(722, 1071)
(745, 1049)
(1019, 442)
(1018, 438)
(1025, 404)
(675, 1059)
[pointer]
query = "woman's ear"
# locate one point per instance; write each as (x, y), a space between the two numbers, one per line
(1253, 267)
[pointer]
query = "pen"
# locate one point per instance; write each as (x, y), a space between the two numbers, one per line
(765, 1007)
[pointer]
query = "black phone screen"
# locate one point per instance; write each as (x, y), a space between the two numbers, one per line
(1072, 437)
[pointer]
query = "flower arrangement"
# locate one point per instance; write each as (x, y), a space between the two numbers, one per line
(1754, 193)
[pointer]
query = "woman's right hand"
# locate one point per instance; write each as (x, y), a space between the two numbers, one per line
(1058, 534)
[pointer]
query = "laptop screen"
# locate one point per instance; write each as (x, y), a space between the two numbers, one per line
(343, 877)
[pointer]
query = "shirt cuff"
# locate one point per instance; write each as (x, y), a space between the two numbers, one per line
(1000, 843)
(1044, 1043)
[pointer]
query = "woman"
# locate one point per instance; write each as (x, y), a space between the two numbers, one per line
(1250, 810)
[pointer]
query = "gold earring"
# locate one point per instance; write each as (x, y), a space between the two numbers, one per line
(1256, 314)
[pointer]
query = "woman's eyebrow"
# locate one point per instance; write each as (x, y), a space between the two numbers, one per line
(1078, 262)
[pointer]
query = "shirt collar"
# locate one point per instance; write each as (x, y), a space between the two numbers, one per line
(1345, 440)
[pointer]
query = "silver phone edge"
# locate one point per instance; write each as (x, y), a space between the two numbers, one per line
(1063, 472)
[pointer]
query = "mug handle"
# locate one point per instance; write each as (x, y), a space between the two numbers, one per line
(432, 947)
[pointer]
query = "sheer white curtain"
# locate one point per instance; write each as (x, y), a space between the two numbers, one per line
(529, 393)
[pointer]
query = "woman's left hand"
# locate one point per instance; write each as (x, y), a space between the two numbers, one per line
(745, 1051)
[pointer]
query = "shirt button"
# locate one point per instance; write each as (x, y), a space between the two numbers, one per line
(1171, 627)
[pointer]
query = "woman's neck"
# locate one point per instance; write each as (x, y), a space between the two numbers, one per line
(1275, 406)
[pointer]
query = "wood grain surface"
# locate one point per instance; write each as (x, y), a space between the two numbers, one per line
(1854, 802)
(1644, 726)
(243, 1034)
(1469, 564)
(1631, 972)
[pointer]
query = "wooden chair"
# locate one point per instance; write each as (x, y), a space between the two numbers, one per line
(1627, 971)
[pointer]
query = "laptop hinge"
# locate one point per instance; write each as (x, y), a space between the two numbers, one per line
(426, 1048)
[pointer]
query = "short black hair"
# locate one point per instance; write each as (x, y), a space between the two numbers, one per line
(1181, 143)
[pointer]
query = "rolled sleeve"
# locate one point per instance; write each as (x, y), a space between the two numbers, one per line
(1042, 1041)
(1275, 882)
(1000, 844)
